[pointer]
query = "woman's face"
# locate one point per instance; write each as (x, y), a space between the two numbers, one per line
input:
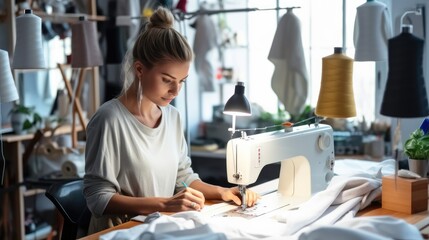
(162, 83)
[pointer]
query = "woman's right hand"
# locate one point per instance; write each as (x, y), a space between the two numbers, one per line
(185, 200)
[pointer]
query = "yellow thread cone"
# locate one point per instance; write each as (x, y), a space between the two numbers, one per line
(336, 98)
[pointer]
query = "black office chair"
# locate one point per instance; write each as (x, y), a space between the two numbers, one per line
(68, 198)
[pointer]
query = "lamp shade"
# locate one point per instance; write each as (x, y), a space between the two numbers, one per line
(8, 92)
(405, 94)
(336, 98)
(238, 104)
(28, 48)
(85, 48)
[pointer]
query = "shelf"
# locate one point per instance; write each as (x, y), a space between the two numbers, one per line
(65, 129)
(66, 17)
(32, 192)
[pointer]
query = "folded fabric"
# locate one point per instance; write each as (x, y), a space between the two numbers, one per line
(343, 198)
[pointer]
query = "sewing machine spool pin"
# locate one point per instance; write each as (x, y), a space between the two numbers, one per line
(243, 135)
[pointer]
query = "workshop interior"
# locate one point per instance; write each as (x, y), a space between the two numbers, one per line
(319, 106)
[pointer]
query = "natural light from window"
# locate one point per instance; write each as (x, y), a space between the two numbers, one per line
(322, 30)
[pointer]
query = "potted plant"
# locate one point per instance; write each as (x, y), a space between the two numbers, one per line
(416, 147)
(24, 118)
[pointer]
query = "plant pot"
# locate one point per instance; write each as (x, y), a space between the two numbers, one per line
(18, 120)
(418, 166)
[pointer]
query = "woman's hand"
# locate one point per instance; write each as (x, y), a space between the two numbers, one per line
(233, 194)
(185, 200)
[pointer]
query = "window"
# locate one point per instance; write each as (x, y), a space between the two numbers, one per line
(322, 29)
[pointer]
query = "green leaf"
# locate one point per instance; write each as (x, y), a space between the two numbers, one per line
(417, 145)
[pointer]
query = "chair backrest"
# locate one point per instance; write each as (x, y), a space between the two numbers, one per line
(68, 198)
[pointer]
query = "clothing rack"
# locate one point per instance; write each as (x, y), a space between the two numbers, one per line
(189, 15)
(178, 15)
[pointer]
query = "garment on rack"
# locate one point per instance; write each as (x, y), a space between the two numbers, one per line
(405, 78)
(181, 5)
(206, 40)
(115, 36)
(290, 78)
(372, 30)
(130, 8)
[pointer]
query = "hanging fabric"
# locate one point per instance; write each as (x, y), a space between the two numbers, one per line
(372, 29)
(206, 39)
(290, 78)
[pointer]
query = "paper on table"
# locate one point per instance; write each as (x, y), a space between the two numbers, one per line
(270, 201)
(139, 218)
(266, 204)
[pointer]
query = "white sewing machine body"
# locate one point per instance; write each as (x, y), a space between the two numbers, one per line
(306, 155)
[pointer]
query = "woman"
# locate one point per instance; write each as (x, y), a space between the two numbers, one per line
(136, 154)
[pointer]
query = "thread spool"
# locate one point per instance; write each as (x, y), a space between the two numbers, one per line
(28, 48)
(336, 97)
(85, 48)
(73, 168)
(8, 90)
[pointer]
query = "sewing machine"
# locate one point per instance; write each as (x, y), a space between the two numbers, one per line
(306, 154)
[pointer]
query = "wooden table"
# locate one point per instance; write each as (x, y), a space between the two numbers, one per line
(13, 200)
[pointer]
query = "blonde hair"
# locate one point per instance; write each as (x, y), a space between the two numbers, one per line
(156, 43)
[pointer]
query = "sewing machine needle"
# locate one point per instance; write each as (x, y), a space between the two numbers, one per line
(242, 189)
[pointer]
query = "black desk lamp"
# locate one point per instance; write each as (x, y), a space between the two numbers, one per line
(237, 105)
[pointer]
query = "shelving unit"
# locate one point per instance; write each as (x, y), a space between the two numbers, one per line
(13, 197)
(13, 192)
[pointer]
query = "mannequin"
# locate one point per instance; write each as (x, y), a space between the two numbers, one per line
(371, 31)
(405, 94)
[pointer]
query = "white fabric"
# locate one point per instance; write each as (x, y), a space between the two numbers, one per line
(193, 225)
(372, 30)
(343, 195)
(364, 228)
(290, 78)
(205, 41)
(186, 225)
(364, 168)
(125, 156)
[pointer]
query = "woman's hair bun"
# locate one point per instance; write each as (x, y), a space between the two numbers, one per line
(161, 18)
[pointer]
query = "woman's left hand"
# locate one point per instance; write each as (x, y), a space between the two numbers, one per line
(233, 194)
